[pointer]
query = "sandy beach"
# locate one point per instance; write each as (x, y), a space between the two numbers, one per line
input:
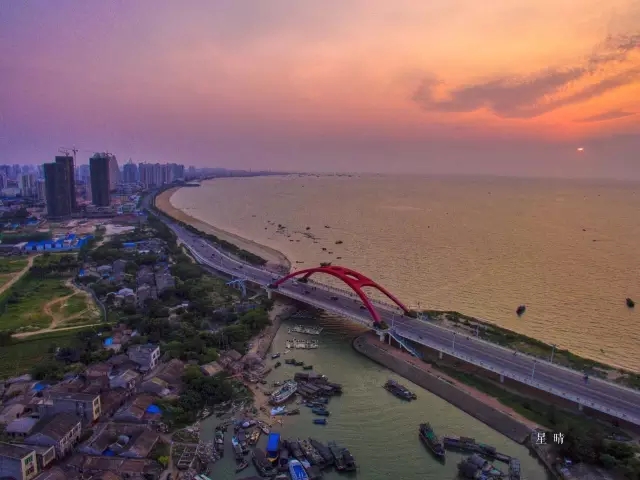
(275, 259)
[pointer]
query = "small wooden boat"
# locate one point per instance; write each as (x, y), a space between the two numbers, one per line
(242, 466)
(320, 421)
(308, 367)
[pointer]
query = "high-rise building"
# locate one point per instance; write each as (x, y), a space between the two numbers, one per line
(28, 184)
(130, 173)
(58, 197)
(41, 192)
(114, 172)
(99, 166)
(67, 162)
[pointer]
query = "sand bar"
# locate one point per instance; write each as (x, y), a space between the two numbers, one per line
(274, 258)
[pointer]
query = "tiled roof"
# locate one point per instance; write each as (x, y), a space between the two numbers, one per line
(59, 426)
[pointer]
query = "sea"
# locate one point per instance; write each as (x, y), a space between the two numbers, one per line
(567, 249)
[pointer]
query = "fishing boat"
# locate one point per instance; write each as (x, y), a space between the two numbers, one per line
(431, 440)
(336, 451)
(308, 367)
(284, 393)
(297, 471)
(278, 364)
(320, 421)
(349, 461)
(254, 437)
(264, 428)
(321, 411)
(234, 441)
(278, 411)
(290, 361)
(323, 450)
(273, 447)
(242, 466)
(295, 411)
(275, 355)
(399, 390)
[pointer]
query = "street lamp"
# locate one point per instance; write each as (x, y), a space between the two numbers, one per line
(553, 350)
(453, 342)
(533, 370)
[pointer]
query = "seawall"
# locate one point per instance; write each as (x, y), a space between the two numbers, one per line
(367, 345)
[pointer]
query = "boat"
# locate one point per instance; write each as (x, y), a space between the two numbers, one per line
(312, 454)
(630, 303)
(237, 449)
(336, 451)
(431, 440)
(283, 462)
(308, 367)
(306, 330)
(297, 471)
(323, 450)
(278, 364)
(290, 361)
(399, 390)
(321, 411)
(275, 355)
(521, 309)
(320, 421)
(234, 441)
(299, 364)
(264, 428)
(242, 466)
(275, 411)
(294, 448)
(295, 411)
(349, 461)
(263, 466)
(514, 469)
(254, 437)
(284, 393)
(273, 447)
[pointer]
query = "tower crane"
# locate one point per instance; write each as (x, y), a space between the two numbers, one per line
(66, 151)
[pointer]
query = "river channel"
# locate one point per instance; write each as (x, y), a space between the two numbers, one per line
(380, 430)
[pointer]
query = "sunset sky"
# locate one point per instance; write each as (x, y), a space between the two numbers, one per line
(441, 86)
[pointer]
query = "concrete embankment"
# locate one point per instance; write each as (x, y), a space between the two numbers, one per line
(369, 346)
(280, 311)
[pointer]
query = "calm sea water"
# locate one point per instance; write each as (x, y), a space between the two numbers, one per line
(482, 246)
(378, 428)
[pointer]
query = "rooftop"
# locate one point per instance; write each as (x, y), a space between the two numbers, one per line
(77, 397)
(59, 426)
(14, 451)
(22, 425)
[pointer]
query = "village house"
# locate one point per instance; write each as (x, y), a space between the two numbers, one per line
(61, 431)
(55, 473)
(128, 380)
(137, 410)
(146, 356)
(85, 405)
(21, 427)
(113, 400)
(131, 468)
(211, 369)
(11, 412)
(17, 462)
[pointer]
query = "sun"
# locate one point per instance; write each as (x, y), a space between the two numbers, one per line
(580, 149)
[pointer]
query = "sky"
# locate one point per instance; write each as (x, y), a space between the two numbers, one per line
(399, 86)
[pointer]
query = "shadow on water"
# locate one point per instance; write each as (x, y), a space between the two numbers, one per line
(380, 430)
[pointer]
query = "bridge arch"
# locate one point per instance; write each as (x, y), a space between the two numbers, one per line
(355, 280)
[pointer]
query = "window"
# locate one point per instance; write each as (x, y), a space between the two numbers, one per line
(28, 460)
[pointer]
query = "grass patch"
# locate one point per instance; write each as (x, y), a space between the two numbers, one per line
(82, 320)
(75, 304)
(21, 307)
(21, 355)
(12, 265)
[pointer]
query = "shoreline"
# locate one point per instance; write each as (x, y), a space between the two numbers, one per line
(274, 257)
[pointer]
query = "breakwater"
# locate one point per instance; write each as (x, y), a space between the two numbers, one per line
(368, 345)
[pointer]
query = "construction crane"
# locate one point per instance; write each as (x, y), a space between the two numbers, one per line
(66, 151)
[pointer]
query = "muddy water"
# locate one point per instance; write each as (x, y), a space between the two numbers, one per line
(379, 429)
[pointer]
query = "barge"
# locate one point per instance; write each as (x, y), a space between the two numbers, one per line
(399, 390)
(431, 440)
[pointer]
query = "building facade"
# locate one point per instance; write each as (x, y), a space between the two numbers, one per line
(58, 196)
(99, 166)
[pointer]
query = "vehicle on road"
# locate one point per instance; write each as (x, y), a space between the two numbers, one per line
(334, 298)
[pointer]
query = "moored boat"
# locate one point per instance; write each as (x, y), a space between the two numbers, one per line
(399, 390)
(320, 421)
(284, 393)
(297, 471)
(336, 451)
(278, 364)
(431, 440)
(323, 450)
(321, 411)
(242, 466)
(273, 447)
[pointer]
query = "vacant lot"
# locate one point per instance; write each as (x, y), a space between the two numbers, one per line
(21, 355)
(11, 269)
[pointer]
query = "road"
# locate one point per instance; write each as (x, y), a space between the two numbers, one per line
(607, 397)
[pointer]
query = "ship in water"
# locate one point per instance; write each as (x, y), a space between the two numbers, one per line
(273, 447)
(399, 390)
(297, 471)
(431, 440)
(306, 330)
(284, 393)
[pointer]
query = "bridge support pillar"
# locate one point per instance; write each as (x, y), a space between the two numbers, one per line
(580, 407)
(440, 355)
(381, 335)
(501, 378)
(269, 293)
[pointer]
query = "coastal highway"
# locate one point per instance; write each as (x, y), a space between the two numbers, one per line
(607, 397)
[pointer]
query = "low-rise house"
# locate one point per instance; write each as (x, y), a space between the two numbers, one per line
(171, 372)
(104, 270)
(236, 367)
(11, 412)
(136, 411)
(211, 369)
(70, 385)
(17, 462)
(142, 445)
(145, 276)
(131, 468)
(98, 370)
(146, 356)
(56, 473)
(45, 456)
(113, 400)
(156, 386)
(85, 405)
(21, 427)
(128, 380)
(164, 281)
(61, 431)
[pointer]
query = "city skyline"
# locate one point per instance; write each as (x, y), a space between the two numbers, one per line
(445, 87)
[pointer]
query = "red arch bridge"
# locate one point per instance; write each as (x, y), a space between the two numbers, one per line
(354, 280)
